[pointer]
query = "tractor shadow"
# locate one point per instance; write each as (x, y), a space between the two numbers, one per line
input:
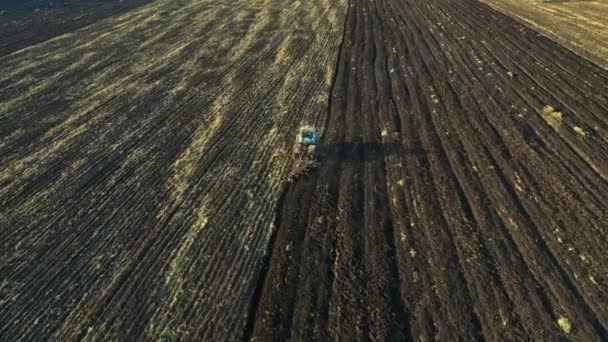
(365, 151)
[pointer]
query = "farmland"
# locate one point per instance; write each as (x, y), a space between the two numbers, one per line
(580, 25)
(28, 22)
(462, 192)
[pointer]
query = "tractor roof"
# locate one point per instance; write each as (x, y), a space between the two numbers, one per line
(308, 129)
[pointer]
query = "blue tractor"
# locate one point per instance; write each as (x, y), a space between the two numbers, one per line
(305, 147)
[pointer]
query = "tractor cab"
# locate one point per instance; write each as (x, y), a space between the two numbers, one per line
(304, 152)
(308, 135)
(306, 141)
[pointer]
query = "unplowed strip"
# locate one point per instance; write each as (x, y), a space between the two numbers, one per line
(142, 158)
(25, 23)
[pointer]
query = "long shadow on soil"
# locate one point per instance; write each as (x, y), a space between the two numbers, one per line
(366, 151)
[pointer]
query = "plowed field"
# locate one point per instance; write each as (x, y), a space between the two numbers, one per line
(581, 25)
(462, 192)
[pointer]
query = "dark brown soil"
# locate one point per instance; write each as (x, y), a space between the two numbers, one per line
(462, 192)
(465, 218)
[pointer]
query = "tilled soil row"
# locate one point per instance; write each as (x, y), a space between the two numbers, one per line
(462, 192)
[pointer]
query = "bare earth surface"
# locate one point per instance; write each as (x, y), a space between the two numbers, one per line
(463, 191)
(581, 25)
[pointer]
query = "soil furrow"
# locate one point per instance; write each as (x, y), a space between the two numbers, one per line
(461, 192)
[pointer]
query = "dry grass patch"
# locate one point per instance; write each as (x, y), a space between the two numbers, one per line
(564, 324)
(553, 117)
